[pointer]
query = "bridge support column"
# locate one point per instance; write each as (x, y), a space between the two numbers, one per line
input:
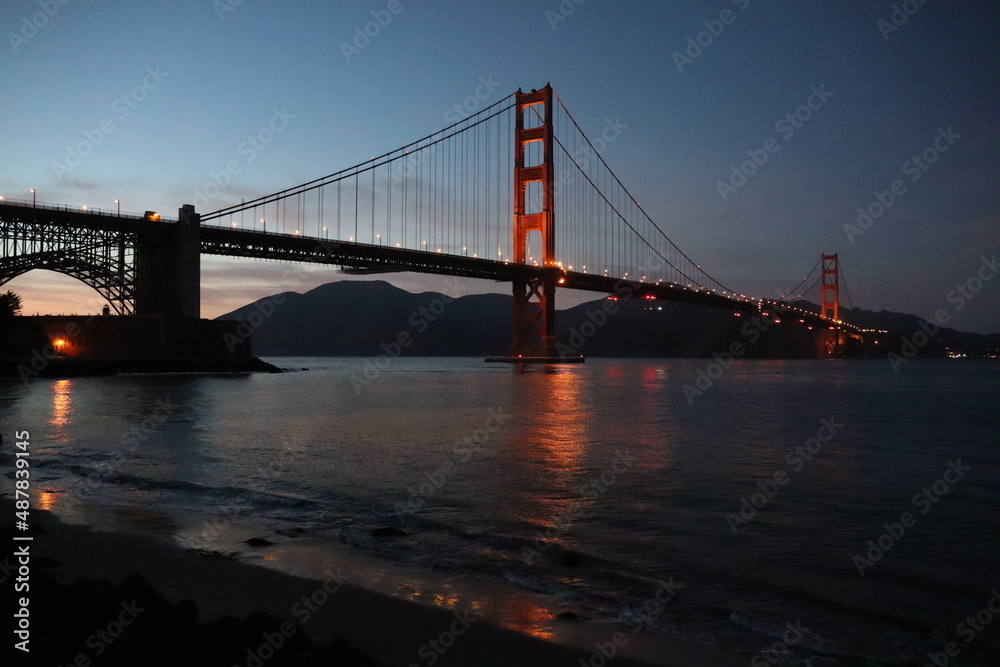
(534, 218)
(168, 267)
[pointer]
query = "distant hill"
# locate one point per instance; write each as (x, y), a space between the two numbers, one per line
(354, 318)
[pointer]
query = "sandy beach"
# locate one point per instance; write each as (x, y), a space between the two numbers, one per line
(309, 621)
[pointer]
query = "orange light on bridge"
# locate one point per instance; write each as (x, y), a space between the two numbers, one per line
(562, 281)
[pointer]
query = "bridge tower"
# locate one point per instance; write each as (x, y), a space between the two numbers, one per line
(534, 298)
(168, 267)
(830, 302)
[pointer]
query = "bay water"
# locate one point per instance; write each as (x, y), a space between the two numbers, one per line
(851, 503)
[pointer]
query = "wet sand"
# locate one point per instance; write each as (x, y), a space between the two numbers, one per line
(233, 613)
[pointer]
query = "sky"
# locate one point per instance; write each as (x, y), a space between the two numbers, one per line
(848, 107)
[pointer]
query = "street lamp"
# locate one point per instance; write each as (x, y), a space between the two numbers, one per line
(33, 197)
(118, 201)
(264, 222)
(379, 237)
(325, 235)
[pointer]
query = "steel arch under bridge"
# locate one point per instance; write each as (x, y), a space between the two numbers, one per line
(134, 265)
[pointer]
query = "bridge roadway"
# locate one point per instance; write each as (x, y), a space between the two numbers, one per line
(357, 257)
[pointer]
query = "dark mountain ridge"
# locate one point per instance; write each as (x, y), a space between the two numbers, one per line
(354, 318)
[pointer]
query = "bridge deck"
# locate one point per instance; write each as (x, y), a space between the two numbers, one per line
(369, 258)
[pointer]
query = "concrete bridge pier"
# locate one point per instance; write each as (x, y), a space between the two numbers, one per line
(168, 267)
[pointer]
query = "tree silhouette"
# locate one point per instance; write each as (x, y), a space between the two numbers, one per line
(10, 304)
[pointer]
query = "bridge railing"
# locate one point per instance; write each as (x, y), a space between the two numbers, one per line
(87, 210)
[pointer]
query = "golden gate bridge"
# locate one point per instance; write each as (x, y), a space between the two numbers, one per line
(478, 199)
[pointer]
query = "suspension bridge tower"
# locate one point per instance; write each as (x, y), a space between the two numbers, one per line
(534, 219)
(830, 303)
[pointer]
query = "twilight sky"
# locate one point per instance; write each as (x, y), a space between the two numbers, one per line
(890, 108)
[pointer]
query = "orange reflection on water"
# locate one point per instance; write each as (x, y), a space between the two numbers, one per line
(526, 617)
(562, 430)
(61, 405)
(448, 600)
(515, 612)
(551, 450)
(44, 500)
(418, 592)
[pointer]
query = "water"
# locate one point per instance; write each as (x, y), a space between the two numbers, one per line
(580, 488)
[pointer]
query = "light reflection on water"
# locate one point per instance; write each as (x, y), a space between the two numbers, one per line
(62, 408)
(357, 456)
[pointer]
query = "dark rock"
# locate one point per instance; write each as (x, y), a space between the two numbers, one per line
(569, 616)
(570, 559)
(388, 531)
(258, 542)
